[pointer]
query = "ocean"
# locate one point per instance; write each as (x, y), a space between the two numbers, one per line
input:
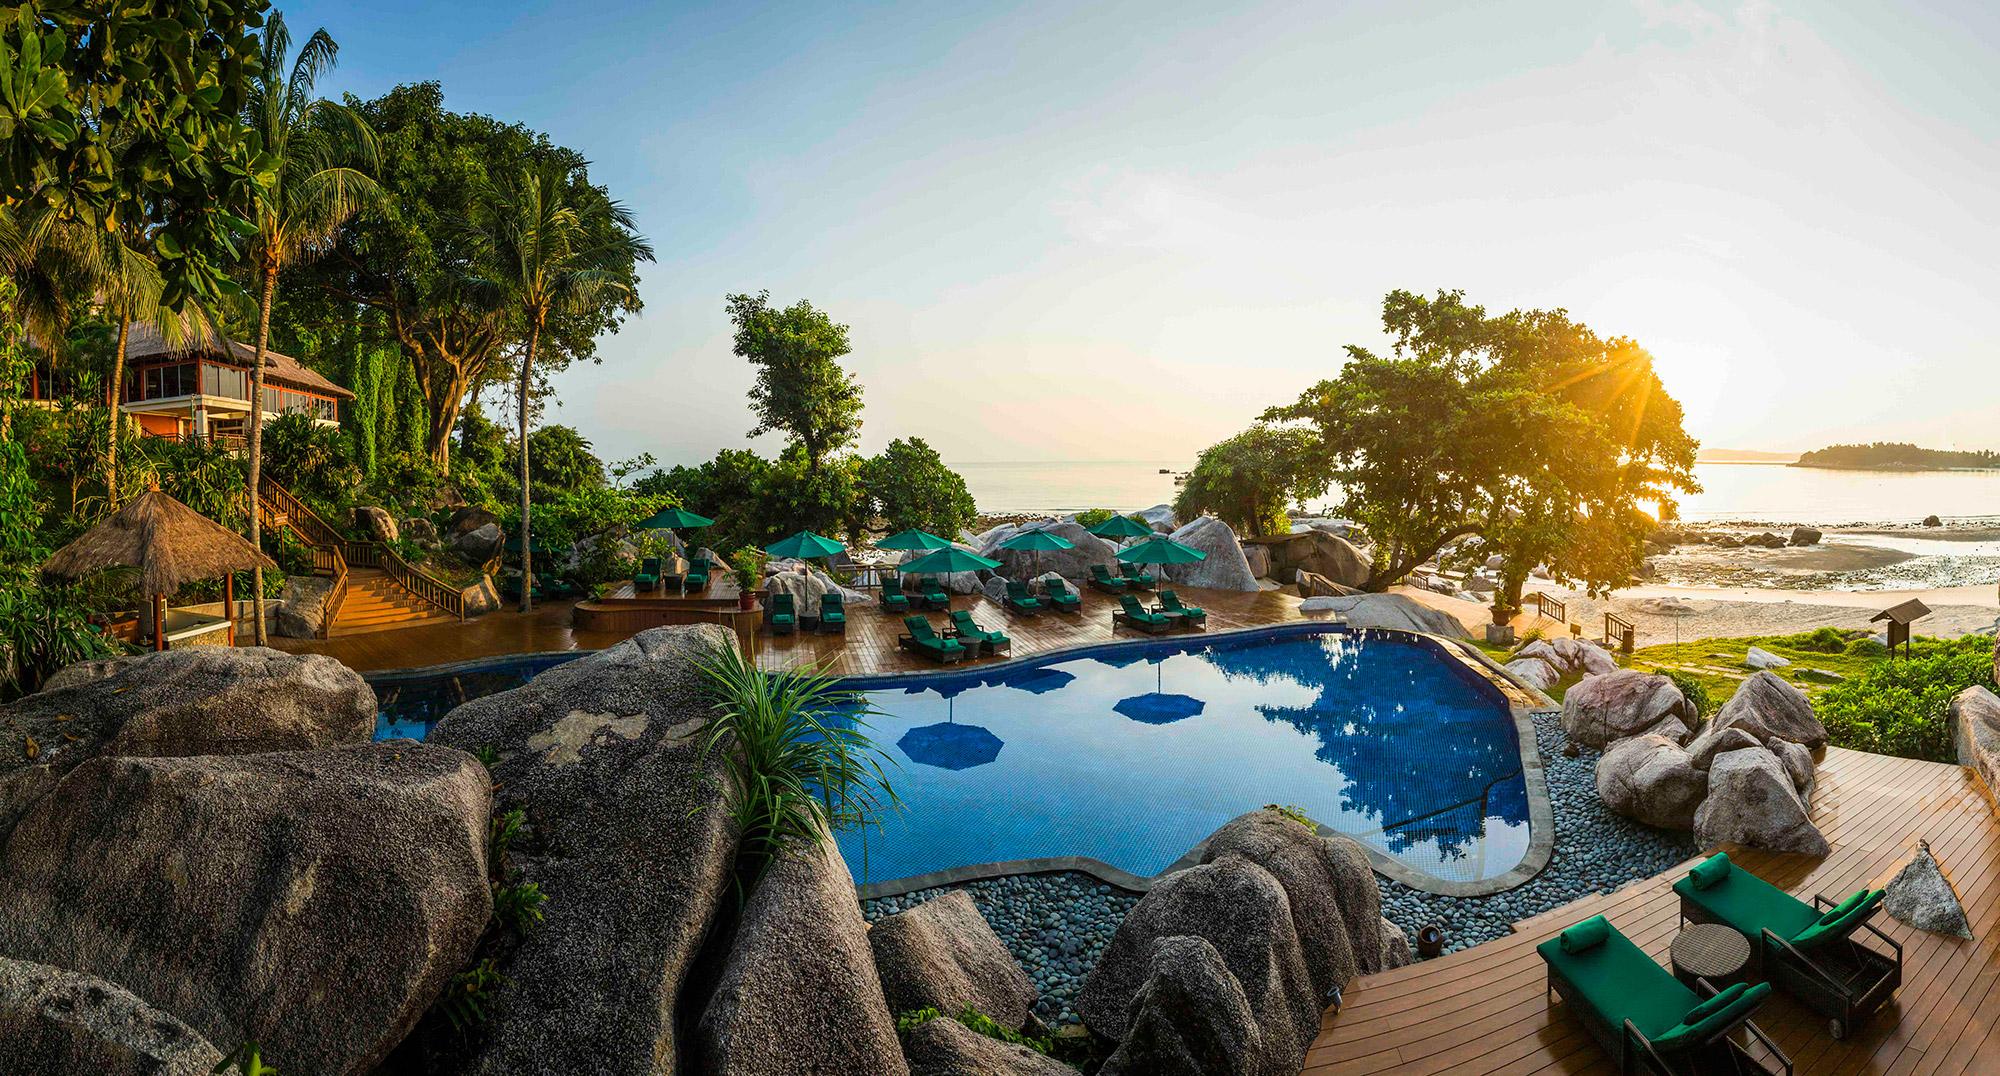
(1750, 492)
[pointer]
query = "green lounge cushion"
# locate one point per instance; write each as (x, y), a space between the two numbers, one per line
(781, 618)
(1620, 982)
(1839, 921)
(1749, 905)
(1137, 612)
(1710, 871)
(1584, 935)
(1713, 1016)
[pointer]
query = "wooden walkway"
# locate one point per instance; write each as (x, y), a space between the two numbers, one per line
(1484, 1011)
(868, 647)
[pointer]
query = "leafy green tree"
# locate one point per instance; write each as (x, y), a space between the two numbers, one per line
(728, 489)
(544, 248)
(321, 155)
(908, 485)
(1247, 480)
(795, 496)
(115, 113)
(1524, 430)
(801, 391)
(560, 459)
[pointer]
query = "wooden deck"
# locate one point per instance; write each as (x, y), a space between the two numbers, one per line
(1483, 1011)
(868, 647)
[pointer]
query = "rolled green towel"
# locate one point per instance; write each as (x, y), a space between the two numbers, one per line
(1584, 935)
(1710, 871)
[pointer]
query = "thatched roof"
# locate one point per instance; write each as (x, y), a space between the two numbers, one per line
(146, 342)
(170, 543)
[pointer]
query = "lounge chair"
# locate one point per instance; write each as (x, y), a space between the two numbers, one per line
(1103, 580)
(893, 598)
(1170, 605)
(932, 593)
(649, 574)
(1644, 1017)
(784, 614)
(1058, 595)
(975, 637)
(833, 612)
(1136, 615)
(1807, 950)
(925, 640)
(1136, 578)
(697, 574)
(1019, 600)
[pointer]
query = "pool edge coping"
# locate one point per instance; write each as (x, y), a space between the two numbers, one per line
(1523, 702)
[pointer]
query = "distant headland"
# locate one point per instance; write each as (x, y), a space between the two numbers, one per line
(1887, 456)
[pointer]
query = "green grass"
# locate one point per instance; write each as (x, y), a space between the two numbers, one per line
(1807, 651)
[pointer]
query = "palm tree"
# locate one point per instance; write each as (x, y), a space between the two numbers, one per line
(323, 152)
(544, 245)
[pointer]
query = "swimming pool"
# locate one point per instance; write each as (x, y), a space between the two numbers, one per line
(1131, 754)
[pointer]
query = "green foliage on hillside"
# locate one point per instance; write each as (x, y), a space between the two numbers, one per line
(1896, 456)
(1902, 706)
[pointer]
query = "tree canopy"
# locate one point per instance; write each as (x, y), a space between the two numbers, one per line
(1247, 480)
(1526, 430)
(909, 486)
(802, 391)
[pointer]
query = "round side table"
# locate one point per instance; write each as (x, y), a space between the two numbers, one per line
(1709, 951)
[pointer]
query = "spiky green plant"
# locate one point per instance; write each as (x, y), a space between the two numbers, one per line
(799, 761)
(517, 906)
(247, 1060)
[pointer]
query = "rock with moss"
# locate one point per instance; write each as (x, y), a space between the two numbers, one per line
(631, 844)
(315, 902)
(197, 701)
(55, 1022)
(943, 955)
(799, 992)
(945, 1047)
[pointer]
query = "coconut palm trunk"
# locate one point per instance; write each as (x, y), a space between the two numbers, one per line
(527, 376)
(117, 414)
(268, 292)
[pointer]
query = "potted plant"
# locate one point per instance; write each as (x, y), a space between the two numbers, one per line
(748, 564)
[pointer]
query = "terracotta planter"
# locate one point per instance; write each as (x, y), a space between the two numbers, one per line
(746, 600)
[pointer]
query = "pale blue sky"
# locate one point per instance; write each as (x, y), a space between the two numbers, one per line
(1121, 232)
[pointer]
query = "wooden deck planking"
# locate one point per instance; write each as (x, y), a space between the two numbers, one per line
(1484, 1011)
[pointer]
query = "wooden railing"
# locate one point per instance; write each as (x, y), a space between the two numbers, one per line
(312, 529)
(1551, 606)
(329, 561)
(1619, 631)
(414, 580)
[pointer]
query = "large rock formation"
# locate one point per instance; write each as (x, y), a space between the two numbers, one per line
(945, 1047)
(942, 955)
(632, 845)
(808, 587)
(1226, 567)
(1535, 672)
(302, 610)
(377, 522)
(1714, 741)
(1922, 897)
(799, 993)
(1390, 611)
(1329, 883)
(1322, 553)
(1767, 707)
(312, 901)
(60, 1023)
(1308, 584)
(1240, 909)
(1191, 1016)
(1752, 801)
(1611, 707)
(478, 545)
(1650, 778)
(970, 582)
(1975, 732)
(1072, 564)
(197, 701)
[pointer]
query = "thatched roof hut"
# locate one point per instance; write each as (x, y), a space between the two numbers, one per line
(170, 543)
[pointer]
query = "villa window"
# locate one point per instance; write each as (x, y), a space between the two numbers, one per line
(163, 382)
(228, 381)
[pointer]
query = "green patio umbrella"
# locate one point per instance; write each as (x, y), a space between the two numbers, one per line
(1037, 541)
(914, 541)
(1121, 527)
(1161, 550)
(670, 519)
(804, 545)
(947, 561)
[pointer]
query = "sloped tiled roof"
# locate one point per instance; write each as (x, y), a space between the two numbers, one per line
(146, 342)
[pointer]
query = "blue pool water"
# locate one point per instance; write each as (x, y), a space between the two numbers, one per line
(1136, 754)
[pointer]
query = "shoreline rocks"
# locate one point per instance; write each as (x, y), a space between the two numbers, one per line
(1625, 703)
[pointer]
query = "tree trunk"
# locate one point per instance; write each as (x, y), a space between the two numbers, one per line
(527, 374)
(270, 291)
(117, 415)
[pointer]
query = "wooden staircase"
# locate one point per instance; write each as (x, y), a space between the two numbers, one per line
(375, 601)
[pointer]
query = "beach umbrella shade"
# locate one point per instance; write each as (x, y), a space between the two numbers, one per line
(1121, 527)
(1161, 550)
(804, 545)
(947, 561)
(673, 519)
(1037, 542)
(951, 746)
(913, 541)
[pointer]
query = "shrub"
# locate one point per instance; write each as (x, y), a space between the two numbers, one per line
(1901, 706)
(1818, 641)
(1091, 517)
(43, 629)
(313, 461)
(517, 906)
(977, 1021)
(909, 486)
(1295, 813)
(466, 997)
(1867, 647)
(1693, 690)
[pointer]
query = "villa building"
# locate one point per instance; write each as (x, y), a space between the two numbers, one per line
(202, 389)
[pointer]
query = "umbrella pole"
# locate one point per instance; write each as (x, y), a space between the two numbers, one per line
(159, 622)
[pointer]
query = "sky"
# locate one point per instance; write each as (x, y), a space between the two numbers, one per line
(1120, 231)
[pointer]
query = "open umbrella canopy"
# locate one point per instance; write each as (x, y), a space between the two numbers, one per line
(804, 545)
(1161, 550)
(947, 561)
(1121, 527)
(913, 541)
(170, 543)
(1037, 541)
(674, 519)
